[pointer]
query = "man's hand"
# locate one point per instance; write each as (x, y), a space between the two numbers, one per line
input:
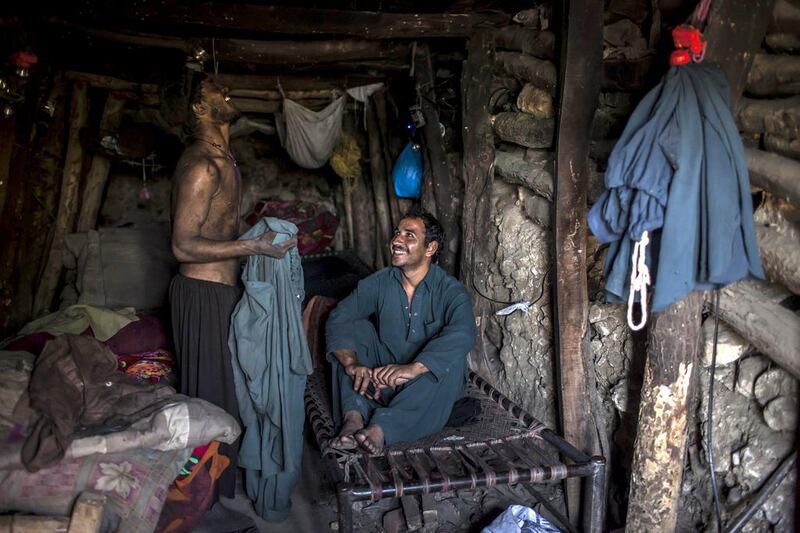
(262, 245)
(362, 377)
(396, 375)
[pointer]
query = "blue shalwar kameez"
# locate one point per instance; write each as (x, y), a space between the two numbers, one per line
(437, 329)
(270, 364)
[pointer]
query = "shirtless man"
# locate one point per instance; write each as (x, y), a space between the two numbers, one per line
(206, 201)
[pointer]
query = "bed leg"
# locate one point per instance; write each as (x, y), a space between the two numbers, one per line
(345, 501)
(595, 497)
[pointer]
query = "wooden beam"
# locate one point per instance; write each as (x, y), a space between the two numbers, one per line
(773, 329)
(789, 147)
(293, 82)
(388, 159)
(379, 187)
(8, 136)
(111, 83)
(775, 174)
(524, 129)
(537, 43)
(659, 453)
(732, 50)
(777, 116)
(515, 170)
(539, 72)
(780, 256)
(785, 17)
(97, 176)
(774, 75)
(309, 21)
(444, 187)
(40, 207)
(581, 68)
(478, 142)
(280, 53)
(68, 204)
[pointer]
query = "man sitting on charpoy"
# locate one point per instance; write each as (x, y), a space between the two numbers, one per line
(399, 343)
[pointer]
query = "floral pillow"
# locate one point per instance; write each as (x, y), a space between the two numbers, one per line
(135, 484)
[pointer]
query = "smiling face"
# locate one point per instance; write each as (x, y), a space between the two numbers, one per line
(408, 244)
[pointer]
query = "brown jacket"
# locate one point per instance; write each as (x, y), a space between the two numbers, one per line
(75, 389)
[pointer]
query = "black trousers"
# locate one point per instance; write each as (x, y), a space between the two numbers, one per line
(201, 314)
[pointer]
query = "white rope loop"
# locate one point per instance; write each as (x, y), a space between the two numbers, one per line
(640, 279)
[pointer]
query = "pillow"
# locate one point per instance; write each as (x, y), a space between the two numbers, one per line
(123, 267)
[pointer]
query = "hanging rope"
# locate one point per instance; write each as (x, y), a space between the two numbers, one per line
(640, 279)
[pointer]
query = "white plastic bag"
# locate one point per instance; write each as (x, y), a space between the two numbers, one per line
(520, 519)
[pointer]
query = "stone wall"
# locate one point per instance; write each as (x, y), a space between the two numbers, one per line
(266, 172)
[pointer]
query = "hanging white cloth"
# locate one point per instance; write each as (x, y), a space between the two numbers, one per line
(361, 94)
(310, 136)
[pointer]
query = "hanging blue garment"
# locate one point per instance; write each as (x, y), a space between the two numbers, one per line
(679, 170)
(271, 360)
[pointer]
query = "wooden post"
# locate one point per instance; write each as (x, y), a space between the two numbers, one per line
(67, 208)
(478, 140)
(388, 159)
(581, 68)
(733, 50)
(98, 173)
(660, 448)
(40, 209)
(441, 178)
(379, 188)
(8, 135)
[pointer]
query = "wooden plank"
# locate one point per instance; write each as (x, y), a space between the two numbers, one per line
(87, 514)
(40, 207)
(479, 154)
(388, 160)
(524, 129)
(773, 329)
(98, 173)
(533, 42)
(379, 187)
(281, 53)
(33, 524)
(293, 82)
(67, 208)
(514, 169)
(539, 72)
(734, 32)
(775, 174)
(780, 256)
(8, 135)
(660, 449)
(774, 75)
(443, 184)
(776, 116)
(581, 68)
(310, 21)
(111, 83)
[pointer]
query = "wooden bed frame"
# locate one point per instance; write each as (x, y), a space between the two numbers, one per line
(506, 446)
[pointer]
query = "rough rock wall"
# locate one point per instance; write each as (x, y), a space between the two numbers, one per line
(754, 424)
(523, 364)
(266, 172)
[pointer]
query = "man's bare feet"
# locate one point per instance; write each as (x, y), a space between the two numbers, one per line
(370, 439)
(345, 440)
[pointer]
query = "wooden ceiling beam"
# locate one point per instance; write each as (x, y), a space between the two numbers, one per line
(274, 53)
(303, 21)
